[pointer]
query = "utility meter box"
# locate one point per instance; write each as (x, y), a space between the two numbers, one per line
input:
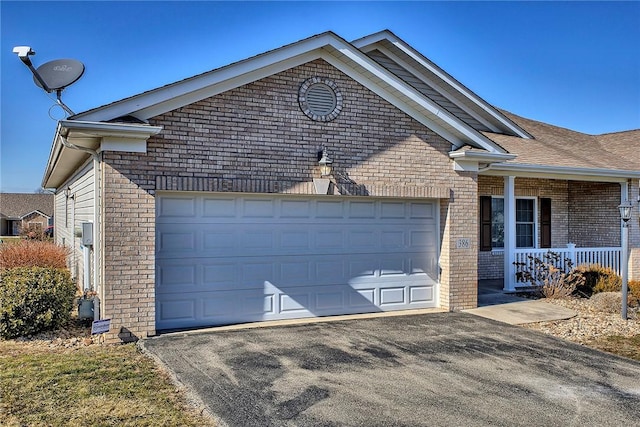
(87, 234)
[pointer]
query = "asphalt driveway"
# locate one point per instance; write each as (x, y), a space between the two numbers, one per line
(420, 370)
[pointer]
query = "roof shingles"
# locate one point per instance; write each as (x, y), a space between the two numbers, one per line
(560, 147)
(17, 205)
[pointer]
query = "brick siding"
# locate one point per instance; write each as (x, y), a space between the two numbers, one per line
(255, 138)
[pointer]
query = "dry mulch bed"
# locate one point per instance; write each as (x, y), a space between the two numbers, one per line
(598, 324)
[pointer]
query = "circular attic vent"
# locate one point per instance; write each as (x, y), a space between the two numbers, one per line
(320, 99)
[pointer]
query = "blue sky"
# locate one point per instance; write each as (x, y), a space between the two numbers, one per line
(572, 64)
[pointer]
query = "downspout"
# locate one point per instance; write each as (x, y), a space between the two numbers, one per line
(97, 166)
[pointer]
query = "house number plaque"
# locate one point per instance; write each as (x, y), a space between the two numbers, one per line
(464, 243)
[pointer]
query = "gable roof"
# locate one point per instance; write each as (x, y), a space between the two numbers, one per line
(327, 46)
(435, 83)
(19, 205)
(563, 151)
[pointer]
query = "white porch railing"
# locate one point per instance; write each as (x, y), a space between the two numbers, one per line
(606, 257)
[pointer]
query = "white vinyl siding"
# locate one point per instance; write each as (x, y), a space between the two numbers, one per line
(74, 204)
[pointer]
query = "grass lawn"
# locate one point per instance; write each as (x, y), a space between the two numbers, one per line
(10, 239)
(94, 385)
(622, 346)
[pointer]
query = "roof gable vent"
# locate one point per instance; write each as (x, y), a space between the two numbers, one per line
(320, 99)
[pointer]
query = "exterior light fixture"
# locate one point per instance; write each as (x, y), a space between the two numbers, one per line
(625, 211)
(625, 214)
(325, 162)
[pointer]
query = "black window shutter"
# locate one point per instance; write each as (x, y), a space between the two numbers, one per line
(545, 223)
(485, 223)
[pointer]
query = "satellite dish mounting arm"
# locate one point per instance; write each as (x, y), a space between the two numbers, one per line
(23, 53)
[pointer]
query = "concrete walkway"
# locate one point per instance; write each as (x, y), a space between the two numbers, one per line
(495, 304)
(521, 312)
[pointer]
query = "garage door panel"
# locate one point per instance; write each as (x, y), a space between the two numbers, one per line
(421, 294)
(422, 210)
(219, 208)
(218, 241)
(361, 298)
(329, 209)
(393, 295)
(229, 259)
(393, 210)
(258, 208)
(176, 207)
(177, 309)
(362, 210)
(215, 239)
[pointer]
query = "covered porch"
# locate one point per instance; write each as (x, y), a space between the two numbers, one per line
(575, 216)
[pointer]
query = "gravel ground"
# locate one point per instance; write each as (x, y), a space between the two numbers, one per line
(73, 335)
(596, 317)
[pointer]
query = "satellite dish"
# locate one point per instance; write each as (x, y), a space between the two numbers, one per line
(59, 74)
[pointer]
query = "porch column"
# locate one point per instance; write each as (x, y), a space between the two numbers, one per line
(509, 233)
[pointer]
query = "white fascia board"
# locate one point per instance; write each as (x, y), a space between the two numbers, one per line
(226, 81)
(473, 136)
(559, 172)
(448, 79)
(165, 94)
(373, 38)
(35, 211)
(124, 145)
(434, 85)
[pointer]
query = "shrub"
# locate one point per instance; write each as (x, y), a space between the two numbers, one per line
(598, 279)
(33, 253)
(550, 277)
(34, 299)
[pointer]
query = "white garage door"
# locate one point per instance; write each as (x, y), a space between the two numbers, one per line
(223, 259)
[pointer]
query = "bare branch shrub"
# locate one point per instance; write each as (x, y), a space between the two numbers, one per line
(33, 253)
(550, 276)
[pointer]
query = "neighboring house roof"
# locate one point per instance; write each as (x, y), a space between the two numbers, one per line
(20, 205)
(558, 150)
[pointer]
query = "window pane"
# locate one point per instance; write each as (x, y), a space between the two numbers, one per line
(497, 223)
(524, 210)
(497, 210)
(524, 235)
(497, 235)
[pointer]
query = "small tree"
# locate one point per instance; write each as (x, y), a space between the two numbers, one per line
(550, 277)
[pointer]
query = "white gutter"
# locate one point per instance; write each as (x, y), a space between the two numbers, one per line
(75, 129)
(481, 157)
(100, 129)
(471, 161)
